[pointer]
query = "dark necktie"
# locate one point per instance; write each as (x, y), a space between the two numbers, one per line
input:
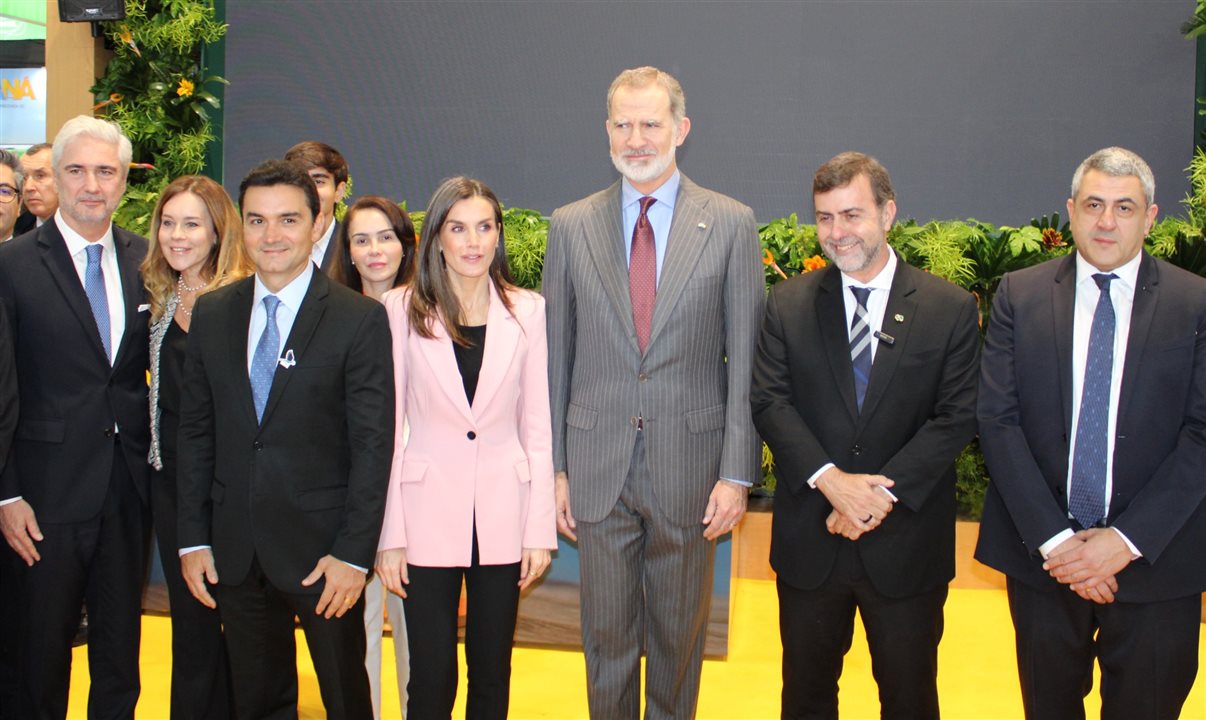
(263, 363)
(94, 287)
(1086, 501)
(860, 344)
(642, 275)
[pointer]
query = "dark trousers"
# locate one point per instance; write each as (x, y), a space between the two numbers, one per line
(100, 563)
(259, 630)
(200, 673)
(1148, 653)
(492, 601)
(816, 628)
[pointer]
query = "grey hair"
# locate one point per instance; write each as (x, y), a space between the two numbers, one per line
(10, 159)
(1117, 162)
(102, 130)
(644, 77)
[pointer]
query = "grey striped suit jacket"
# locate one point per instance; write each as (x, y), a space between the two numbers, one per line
(691, 387)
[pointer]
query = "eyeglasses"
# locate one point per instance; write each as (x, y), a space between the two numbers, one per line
(8, 193)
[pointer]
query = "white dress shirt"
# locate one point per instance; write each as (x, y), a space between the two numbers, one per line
(77, 247)
(660, 214)
(291, 297)
(320, 247)
(1122, 295)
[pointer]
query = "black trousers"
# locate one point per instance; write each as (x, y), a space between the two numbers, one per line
(431, 604)
(200, 673)
(259, 630)
(100, 563)
(1148, 653)
(817, 626)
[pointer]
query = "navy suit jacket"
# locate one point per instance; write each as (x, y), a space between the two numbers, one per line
(72, 400)
(1025, 414)
(917, 416)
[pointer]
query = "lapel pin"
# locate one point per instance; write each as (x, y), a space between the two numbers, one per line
(288, 361)
(898, 317)
(703, 226)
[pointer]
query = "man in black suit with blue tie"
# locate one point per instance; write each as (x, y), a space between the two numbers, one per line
(1092, 418)
(73, 492)
(864, 388)
(286, 437)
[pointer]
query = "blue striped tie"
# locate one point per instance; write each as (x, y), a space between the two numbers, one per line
(263, 363)
(860, 344)
(94, 287)
(1086, 500)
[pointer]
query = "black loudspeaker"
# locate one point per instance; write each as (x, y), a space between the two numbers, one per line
(91, 10)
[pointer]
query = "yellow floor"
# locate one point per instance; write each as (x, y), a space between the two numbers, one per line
(977, 678)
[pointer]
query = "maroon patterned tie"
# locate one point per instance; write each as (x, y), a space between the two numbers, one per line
(642, 275)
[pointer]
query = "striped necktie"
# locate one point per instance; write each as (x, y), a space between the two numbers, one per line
(860, 344)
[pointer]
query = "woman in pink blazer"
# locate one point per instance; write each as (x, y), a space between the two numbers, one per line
(471, 491)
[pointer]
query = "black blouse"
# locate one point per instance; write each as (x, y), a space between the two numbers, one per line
(469, 359)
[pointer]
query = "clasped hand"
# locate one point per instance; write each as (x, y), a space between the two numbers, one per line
(1088, 562)
(859, 503)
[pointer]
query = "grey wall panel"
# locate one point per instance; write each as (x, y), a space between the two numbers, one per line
(979, 108)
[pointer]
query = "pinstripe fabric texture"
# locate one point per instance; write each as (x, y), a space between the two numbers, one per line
(646, 569)
(694, 404)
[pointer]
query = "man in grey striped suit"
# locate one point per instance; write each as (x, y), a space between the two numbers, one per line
(655, 292)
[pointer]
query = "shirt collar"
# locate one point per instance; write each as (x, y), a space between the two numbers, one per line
(1128, 273)
(291, 295)
(76, 242)
(320, 247)
(883, 280)
(665, 194)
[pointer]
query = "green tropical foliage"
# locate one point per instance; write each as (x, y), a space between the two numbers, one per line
(157, 89)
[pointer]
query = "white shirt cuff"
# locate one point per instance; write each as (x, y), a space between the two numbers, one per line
(1127, 540)
(742, 483)
(812, 481)
(11, 500)
(194, 548)
(1046, 548)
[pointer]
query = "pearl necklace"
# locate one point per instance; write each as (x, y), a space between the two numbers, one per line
(183, 287)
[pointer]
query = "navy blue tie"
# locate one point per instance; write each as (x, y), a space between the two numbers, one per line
(263, 363)
(1086, 500)
(94, 287)
(860, 344)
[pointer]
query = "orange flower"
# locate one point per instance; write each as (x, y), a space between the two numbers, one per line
(185, 88)
(767, 258)
(127, 37)
(1053, 238)
(113, 98)
(816, 262)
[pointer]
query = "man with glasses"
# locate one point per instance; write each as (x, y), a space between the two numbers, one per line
(10, 189)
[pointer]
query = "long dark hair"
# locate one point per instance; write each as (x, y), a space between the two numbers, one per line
(432, 298)
(342, 270)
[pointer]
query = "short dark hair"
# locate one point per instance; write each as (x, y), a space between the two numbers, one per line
(281, 172)
(841, 170)
(344, 272)
(312, 154)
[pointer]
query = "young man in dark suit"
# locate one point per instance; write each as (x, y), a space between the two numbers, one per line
(1093, 422)
(329, 170)
(865, 389)
(73, 494)
(286, 437)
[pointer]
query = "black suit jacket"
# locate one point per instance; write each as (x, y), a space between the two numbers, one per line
(26, 221)
(918, 414)
(1025, 414)
(8, 390)
(308, 481)
(72, 400)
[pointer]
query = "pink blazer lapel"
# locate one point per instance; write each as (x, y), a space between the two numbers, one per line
(441, 361)
(502, 339)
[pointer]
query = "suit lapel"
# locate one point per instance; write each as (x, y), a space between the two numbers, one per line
(441, 359)
(690, 229)
(313, 305)
(835, 339)
(1063, 299)
(605, 242)
(502, 340)
(238, 322)
(131, 288)
(58, 261)
(887, 356)
(1143, 315)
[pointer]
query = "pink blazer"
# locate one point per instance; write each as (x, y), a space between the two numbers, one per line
(491, 463)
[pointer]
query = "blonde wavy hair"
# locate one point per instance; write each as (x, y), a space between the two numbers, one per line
(229, 263)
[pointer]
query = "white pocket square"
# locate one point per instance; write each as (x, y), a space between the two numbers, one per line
(146, 307)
